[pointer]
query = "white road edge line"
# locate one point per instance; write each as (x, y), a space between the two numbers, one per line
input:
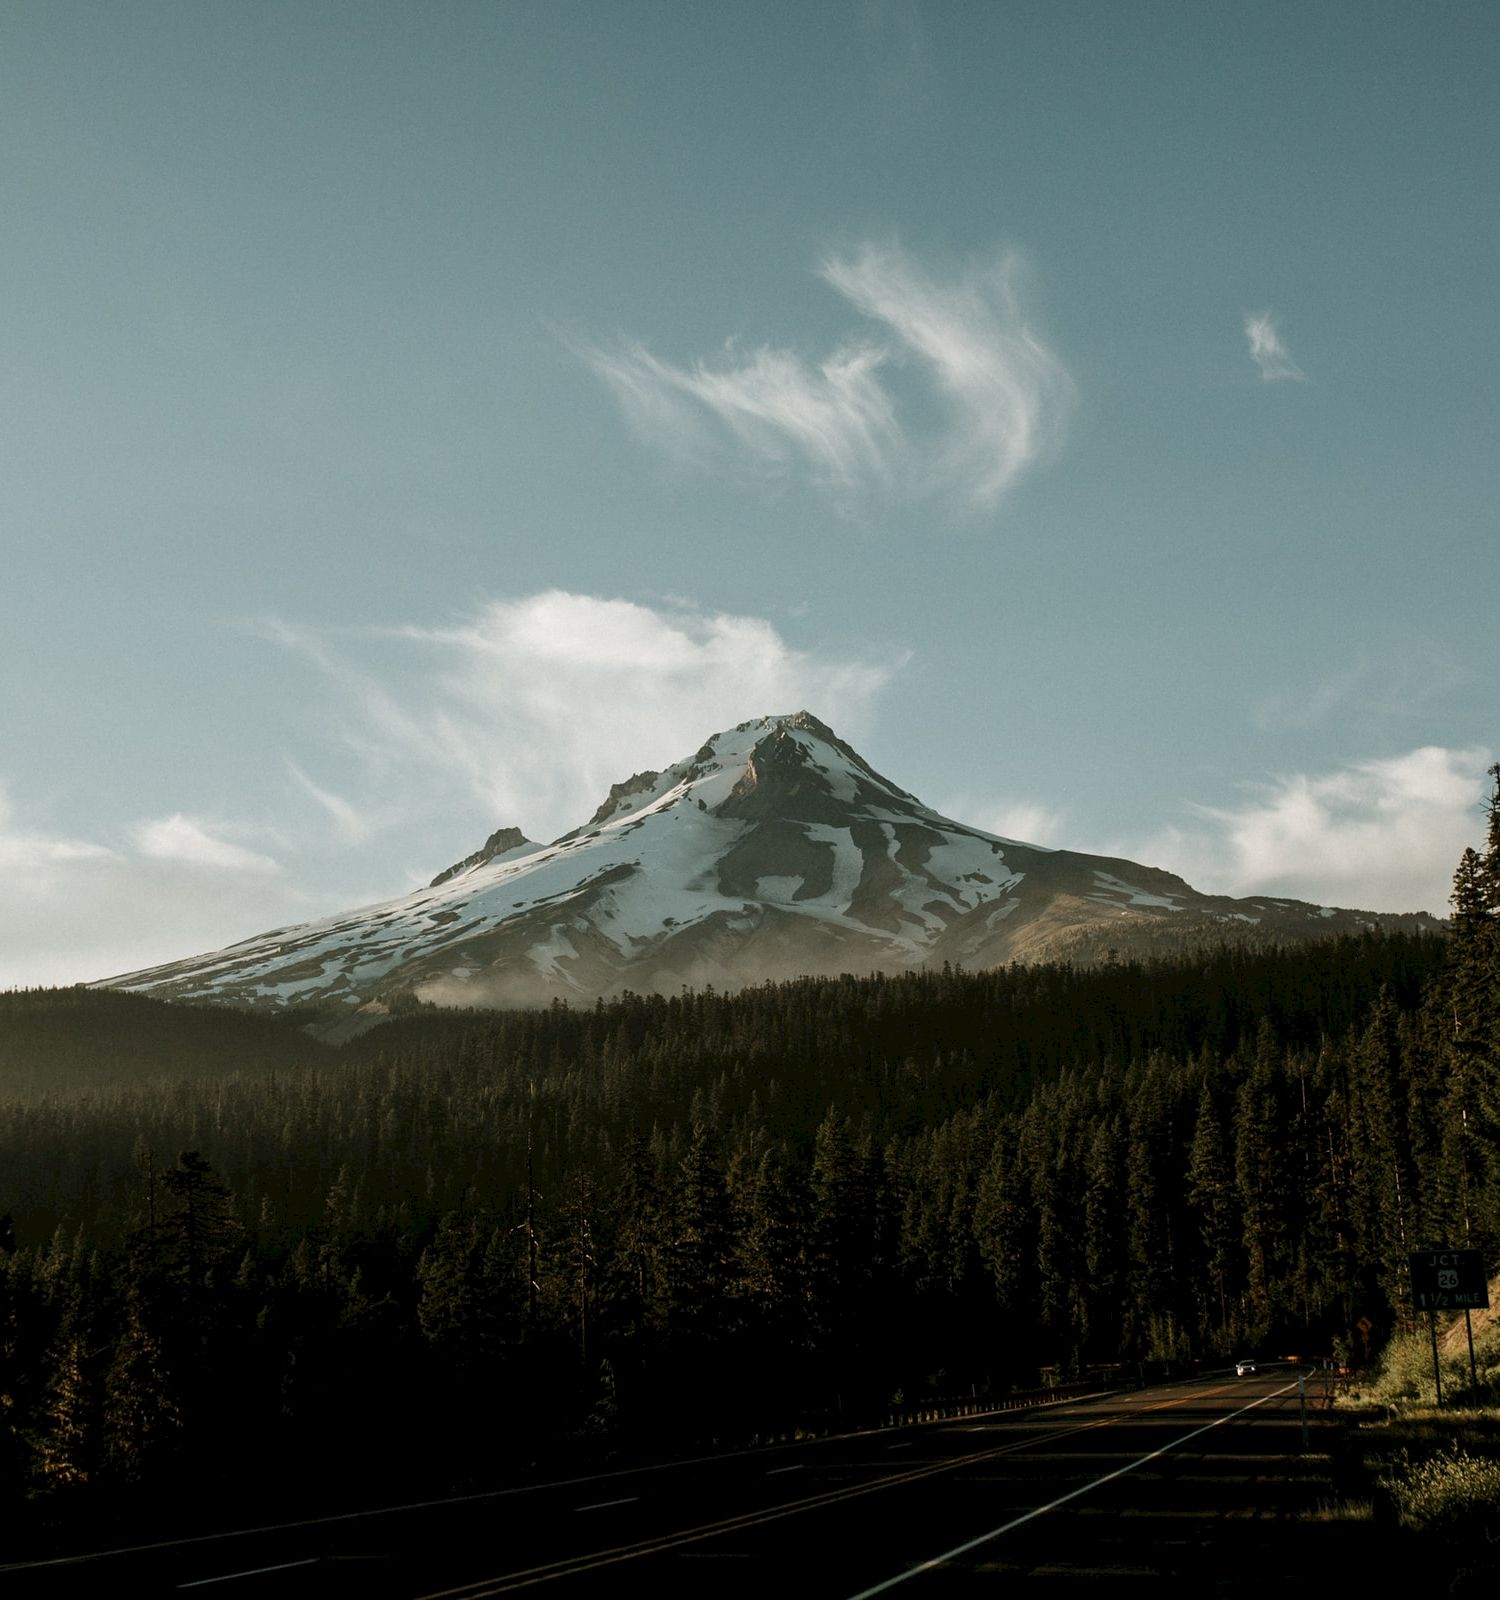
(798, 1466)
(249, 1572)
(447, 1502)
(1062, 1500)
(601, 1505)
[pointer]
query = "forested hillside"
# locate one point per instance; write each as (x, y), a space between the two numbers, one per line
(468, 1242)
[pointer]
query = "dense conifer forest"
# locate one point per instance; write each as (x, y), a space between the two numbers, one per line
(242, 1270)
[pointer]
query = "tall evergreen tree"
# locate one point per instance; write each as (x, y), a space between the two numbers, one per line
(1385, 1187)
(68, 1442)
(200, 1229)
(1474, 991)
(142, 1418)
(1214, 1198)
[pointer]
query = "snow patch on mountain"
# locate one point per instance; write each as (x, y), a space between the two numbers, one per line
(1115, 889)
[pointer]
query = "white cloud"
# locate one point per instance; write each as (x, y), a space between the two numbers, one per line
(533, 707)
(1267, 350)
(1380, 835)
(1024, 821)
(180, 838)
(37, 855)
(998, 398)
(77, 909)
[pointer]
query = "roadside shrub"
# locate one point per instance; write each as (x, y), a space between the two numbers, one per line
(1453, 1493)
(1405, 1373)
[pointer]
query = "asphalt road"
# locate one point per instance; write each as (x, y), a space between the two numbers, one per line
(1189, 1484)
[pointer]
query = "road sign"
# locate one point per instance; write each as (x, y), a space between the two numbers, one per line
(1449, 1280)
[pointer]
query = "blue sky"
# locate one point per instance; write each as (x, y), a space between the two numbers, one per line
(416, 418)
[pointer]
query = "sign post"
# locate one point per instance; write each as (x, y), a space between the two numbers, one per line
(1449, 1280)
(1365, 1327)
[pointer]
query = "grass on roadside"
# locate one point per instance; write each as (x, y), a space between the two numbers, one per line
(1430, 1473)
(1341, 1511)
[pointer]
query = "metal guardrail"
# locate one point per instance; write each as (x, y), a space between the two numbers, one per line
(942, 1409)
(1020, 1400)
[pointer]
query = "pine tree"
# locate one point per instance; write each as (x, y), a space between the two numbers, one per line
(1385, 1187)
(142, 1418)
(1005, 1232)
(1474, 973)
(579, 1257)
(635, 1267)
(1104, 1254)
(68, 1442)
(771, 1224)
(200, 1228)
(1213, 1196)
(1469, 1009)
(1152, 1166)
(842, 1243)
(700, 1251)
(455, 1312)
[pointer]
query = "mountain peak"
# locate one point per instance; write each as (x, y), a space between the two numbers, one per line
(806, 722)
(747, 755)
(785, 773)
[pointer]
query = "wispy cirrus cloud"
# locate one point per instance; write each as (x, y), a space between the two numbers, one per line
(994, 397)
(833, 417)
(1377, 835)
(352, 824)
(1308, 705)
(1268, 351)
(532, 707)
(1401, 686)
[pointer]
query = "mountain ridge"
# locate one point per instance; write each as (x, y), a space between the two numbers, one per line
(774, 851)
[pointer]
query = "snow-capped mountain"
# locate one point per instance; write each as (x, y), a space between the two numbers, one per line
(774, 851)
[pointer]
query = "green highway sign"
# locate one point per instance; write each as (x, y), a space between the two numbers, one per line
(1449, 1280)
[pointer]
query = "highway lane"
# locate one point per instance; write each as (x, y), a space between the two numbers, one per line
(1142, 1484)
(1112, 1490)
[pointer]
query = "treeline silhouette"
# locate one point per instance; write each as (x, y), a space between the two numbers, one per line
(465, 1244)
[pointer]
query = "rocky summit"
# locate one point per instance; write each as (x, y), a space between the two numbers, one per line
(774, 851)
